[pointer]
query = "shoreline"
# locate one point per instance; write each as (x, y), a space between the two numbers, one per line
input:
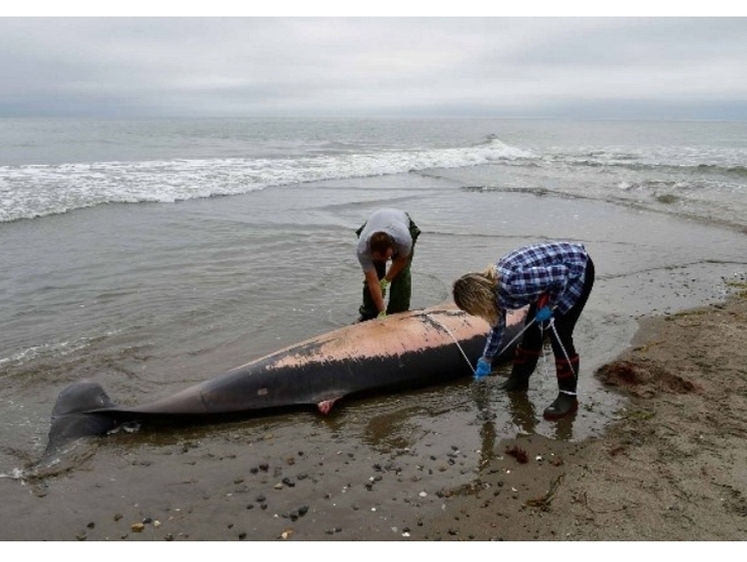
(671, 468)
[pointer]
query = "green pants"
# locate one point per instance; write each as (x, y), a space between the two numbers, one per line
(400, 289)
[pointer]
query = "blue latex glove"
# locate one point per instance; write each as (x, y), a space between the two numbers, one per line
(483, 368)
(543, 314)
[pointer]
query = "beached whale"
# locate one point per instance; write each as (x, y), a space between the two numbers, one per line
(407, 350)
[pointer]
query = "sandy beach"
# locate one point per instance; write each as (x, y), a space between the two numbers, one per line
(671, 469)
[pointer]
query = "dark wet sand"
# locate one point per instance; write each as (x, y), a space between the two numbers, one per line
(669, 468)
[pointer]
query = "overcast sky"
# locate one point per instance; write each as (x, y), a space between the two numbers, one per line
(682, 68)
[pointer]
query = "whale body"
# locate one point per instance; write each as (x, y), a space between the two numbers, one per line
(407, 350)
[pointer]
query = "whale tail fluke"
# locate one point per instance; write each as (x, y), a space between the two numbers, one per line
(75, 414)
(79, 397)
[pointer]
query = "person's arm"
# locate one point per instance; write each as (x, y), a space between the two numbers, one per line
(485, 363)
(495, 338)
(557, 284)
(397, 266)
(374, 287)
(536, 281)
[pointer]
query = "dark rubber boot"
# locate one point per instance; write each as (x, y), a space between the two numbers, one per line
(523, 366)
(566, 402)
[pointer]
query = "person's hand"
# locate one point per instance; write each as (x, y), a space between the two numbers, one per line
(382, 314)
(543, 314)
(383, 284)
(483, 368)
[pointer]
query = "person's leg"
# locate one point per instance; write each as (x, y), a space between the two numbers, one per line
(525, 357)
(566, 359)
(567, 401)
(400, 291)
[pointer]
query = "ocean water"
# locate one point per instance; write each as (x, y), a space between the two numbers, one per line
(150, 255)
(49, 167)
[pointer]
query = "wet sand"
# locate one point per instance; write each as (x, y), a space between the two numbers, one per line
(671, 467)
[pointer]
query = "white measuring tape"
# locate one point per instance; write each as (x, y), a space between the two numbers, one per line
(509, 344)
(551, 324)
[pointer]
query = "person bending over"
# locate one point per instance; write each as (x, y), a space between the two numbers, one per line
(388, 234)
(555, 280)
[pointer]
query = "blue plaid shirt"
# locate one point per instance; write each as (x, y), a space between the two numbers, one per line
(555, 268)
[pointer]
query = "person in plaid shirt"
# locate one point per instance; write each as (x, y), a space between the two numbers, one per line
(555, 280)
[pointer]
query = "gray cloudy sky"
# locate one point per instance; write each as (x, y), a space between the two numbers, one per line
(686, 68)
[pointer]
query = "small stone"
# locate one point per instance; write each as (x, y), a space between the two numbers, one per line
(137, 527)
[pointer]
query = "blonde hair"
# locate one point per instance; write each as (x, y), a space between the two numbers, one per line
(475, 294)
